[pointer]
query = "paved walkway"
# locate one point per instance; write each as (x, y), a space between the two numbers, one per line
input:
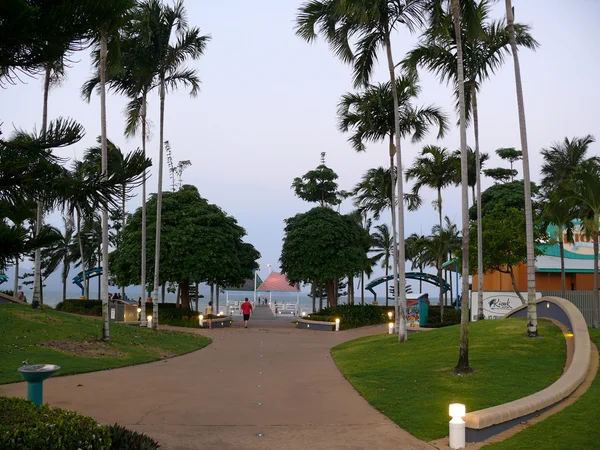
(269, 379)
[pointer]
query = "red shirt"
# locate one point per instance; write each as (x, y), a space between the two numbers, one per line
(246, 307)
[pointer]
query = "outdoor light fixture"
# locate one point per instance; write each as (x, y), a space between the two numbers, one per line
(391, 328)
(547, 304)
(303, 313)
(457, 425)
(149, 319)
(337, 324)
(139, 310)
(201, 320)
(390, 315)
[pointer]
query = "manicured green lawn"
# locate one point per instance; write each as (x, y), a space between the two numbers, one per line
(575, 427)
(413, 383)
(71, 341)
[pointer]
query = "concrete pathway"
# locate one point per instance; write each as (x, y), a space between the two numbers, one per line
(266, 387)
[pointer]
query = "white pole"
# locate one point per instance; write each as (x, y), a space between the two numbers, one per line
(255, 287)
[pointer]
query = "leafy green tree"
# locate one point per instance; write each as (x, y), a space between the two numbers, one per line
(434, 168)
(511, 155)
(500, 174)
(505, 242)
(415, 251)
(383, 247)
(318, 186)
(507, 195)
(201, 244)
(472, 164)
(322, 246)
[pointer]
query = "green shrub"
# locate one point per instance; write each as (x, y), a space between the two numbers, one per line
(35, 304)
(85, 307)
(352, 316)
(25, 426)
(451, 316)
(124, 439)
(7, 292)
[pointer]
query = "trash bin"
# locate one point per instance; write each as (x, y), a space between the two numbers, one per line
(423, 312)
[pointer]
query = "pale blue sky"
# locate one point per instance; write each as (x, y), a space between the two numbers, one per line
(268, 109)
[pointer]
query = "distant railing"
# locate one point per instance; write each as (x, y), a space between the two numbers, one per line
(583, 301)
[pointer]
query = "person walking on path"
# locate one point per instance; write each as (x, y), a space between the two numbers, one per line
(209, 314)
(246, 308)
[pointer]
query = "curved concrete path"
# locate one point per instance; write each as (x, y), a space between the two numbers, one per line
(269, 379)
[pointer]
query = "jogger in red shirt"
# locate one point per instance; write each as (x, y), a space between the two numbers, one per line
(246, 308)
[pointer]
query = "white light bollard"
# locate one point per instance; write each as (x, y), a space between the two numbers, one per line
(201, 320)
(457, 425)
(149, 323)
(391, 328)
(337, 324)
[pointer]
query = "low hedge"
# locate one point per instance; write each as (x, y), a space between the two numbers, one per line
(451, 316)
(25, 426)
(353, 316)
(85, 307)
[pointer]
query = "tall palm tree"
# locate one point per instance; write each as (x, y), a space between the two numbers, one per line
(383, 247)
(158, 25)
(370, 24)
(531, 304)
(415, 251)
(442, 242)
(370, 115)
(586, 191)
(434, 168)
(560, 211)
(472, 162)
(485, 45)
(60, 253)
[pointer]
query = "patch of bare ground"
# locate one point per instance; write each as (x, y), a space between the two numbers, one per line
(158, 351)
(91, 349)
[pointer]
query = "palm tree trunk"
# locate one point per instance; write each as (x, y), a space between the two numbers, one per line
(105, 316)
(362, 287)
(159, 207)
(479, 223)
(164, 288)
(394, 241)
(531, 304)
(596, 300)
(320, 297)
(217, 295)
(313, 292)
(399, 286)
(37, 270)
(463, 354)
(85, 292)
(387, 286)
(439, 204)
(16, 280)
(144, 257)
(563, 276)
(441, 291)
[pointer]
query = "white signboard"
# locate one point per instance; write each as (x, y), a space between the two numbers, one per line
(113, 313)
(497, 304)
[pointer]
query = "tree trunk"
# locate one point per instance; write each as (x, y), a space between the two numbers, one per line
(184, 293)
(197, 296)
(178, 296)
(463, 354)
(331, 293)
(64, 288)
(511, 272)
(163, 293)
(103, 141)
(143, 277)
(441, 291)
(320, 297)
(531, 304)
(563, 277)
(217, 295)
(394, 238)
(212, 292)
(596, 299)
(350, 290)
(439, 204)
(16, 280)
(362, 287)
(400, 283)
(479, 219)
(85, 286)
(313, 292)
(37, 269)
(159, 206)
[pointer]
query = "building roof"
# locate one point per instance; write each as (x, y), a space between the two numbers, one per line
(546, 263)
(277, 282)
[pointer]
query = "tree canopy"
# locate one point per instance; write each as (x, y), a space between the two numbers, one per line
(318, 186)
(506, 195)
(199, 243)
(322, 245)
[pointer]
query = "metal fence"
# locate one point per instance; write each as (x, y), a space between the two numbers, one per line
(581, 299)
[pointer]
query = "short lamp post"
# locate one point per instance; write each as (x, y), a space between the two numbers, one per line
(139, 310)
(457, 425)
(391, 328)
(149, 321)
(201, 320)
(390, 315)
(337, 324)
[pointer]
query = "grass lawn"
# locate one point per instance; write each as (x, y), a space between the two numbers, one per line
(413, 383)
(72, 342)
(575, 427)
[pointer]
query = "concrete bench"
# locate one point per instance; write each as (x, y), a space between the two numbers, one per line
(315, 325)
(488, 422)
